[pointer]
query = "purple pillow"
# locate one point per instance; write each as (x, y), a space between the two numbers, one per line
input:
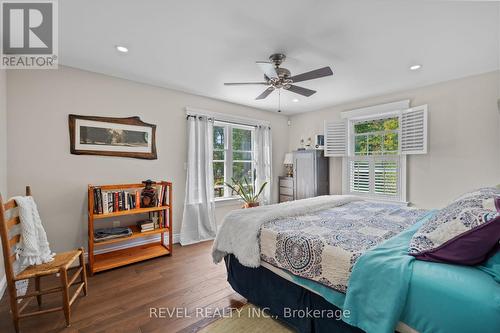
(465, 232)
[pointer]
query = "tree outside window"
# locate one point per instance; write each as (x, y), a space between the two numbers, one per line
(233, 156)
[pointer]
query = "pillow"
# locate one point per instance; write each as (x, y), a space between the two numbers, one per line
(482, 193)
(465, 232)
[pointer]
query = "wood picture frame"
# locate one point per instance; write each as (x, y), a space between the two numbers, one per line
(107, 136)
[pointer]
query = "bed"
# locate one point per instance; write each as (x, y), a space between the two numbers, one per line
(350, 254)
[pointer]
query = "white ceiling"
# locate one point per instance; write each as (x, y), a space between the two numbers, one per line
(197, 45)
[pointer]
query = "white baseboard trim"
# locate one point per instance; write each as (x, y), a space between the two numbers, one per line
(3, 285)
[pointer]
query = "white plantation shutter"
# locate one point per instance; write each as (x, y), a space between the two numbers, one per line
(335, 138)
(376, 176)
(360, 176)
(386, 177)
(414, 130)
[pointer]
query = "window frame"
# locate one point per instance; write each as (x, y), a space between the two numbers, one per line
(374, 158)
(228, 155)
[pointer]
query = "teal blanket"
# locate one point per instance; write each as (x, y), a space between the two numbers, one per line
(379, 283)
(387, 286)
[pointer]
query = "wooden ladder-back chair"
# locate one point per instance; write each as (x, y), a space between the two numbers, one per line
(9, 218)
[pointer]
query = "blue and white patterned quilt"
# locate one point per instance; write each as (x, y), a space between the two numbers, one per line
(324, 246)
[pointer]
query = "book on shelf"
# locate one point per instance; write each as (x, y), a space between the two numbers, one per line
(114, 201)
(97, 201)
(158, 219)
(145, 225)
(161, 195)
(137, 199)
(106, 202)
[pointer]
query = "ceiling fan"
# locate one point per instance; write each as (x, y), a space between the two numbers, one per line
(276, 77)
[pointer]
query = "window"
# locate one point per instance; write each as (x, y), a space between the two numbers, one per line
(233, 156)
(376, 137)
(375, 166)
(373, 142)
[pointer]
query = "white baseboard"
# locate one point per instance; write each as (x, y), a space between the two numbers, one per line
(3, 285)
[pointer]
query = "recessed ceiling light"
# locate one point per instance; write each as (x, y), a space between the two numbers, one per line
(295, 100)
(121, 49)
(415, 67)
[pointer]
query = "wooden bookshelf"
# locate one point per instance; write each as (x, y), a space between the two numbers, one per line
(109, 260)
(136, 233)
(117, 258)
(130, 212)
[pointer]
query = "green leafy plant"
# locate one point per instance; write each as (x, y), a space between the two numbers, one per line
(246, 191)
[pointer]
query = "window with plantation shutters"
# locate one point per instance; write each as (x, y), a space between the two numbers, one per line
(385, 178)
(335, 138)
(375, 176)
(374, 160)
(360, 176)
(414, 130)
(374, 142)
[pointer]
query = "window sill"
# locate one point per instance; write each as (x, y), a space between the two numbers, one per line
(231, 201)
(388, 201)
(381, 199)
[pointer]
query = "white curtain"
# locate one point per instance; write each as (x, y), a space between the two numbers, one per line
(198, 220)
(263, 162)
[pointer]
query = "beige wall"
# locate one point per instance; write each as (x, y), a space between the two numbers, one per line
(464, 150)
(39, 103)
(464, 138)
(3, 155)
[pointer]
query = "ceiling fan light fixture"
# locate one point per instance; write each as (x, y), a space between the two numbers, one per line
(277, 78)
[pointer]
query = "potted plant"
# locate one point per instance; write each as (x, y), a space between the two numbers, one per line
(247, 191)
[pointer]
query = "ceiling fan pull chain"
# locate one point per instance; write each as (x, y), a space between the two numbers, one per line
(279, 100)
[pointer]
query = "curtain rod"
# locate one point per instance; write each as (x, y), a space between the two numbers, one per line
(226, 117)
(226, 121)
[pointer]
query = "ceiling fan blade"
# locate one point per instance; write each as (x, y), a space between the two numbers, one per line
(265, 93)
(243, 83)
(315, 74)
(301, 91)
(268, 69)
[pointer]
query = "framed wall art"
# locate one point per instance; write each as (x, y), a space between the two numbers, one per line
(106, 136)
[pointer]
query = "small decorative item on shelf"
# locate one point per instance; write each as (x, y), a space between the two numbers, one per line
(288, 162)
(302, 144)
(148, 194)
(309, 143)
(247, 192)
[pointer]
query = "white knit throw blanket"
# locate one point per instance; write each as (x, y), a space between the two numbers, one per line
(239, 232)
(33, 247)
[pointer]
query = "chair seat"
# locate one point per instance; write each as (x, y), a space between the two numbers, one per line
(61, 260)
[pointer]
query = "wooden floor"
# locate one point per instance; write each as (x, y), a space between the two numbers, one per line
(120, 300)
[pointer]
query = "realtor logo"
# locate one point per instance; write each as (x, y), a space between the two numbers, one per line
(29, 34)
